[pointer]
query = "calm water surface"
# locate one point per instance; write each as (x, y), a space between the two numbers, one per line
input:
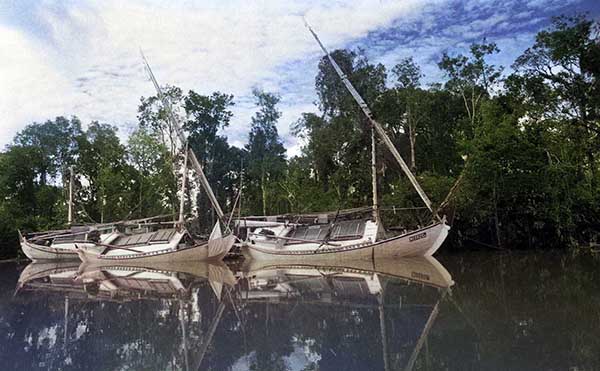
(475, 311)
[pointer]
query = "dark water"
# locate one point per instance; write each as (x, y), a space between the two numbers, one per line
(484, 311)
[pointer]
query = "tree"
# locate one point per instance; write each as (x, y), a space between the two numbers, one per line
(339, 142)
(558, 80)
(31, 175)
(101, 162)
(367, 78)
(472, 77)
(156, 184)
(266, 154)
(53, 143)
(153, 115)
(408, 76)
(206, 116)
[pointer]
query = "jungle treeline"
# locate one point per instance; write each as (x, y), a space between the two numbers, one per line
(522, 146)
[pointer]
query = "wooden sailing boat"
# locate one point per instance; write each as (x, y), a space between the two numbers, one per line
(174, 244)
(60, 244)
(350, 239)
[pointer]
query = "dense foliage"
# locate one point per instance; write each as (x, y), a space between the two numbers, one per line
(523, 145)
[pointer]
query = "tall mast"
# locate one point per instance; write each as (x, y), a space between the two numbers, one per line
(183, 181)
(382, 134)
(183, 139)
(70, 211)
(374, 177)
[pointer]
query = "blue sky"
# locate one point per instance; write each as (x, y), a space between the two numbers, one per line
(82, 58)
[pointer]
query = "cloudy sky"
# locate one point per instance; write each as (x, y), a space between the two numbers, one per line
(82, 58)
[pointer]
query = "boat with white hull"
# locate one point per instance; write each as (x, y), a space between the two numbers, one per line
(288, 245)
(60, 245)
(271, 239)
(161, 246)
(166, 245)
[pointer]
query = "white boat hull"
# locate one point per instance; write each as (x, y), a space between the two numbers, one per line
(66, 251)
(422, 242)
(213, 250)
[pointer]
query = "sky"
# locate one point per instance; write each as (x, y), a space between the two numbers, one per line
(64, 58)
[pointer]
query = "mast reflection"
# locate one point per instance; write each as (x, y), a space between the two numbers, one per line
(355, 315)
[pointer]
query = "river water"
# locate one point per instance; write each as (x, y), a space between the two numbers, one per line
(473, 311)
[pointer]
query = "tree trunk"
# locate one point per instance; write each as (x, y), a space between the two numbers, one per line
(141, 206)
(412, 135)
(263, 188)
(412, 138)
(496, 221)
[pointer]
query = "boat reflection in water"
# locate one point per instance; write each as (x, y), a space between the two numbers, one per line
(356, 315)
(359, 315)
(143, 317)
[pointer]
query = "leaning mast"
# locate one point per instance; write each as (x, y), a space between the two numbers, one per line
(374, 177)
(190, 153)
(70, 211)
(377, 126)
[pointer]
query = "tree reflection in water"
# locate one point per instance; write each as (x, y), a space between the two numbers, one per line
(514, 311)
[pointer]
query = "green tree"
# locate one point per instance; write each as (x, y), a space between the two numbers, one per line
(206, 116)
(154, 116)
(339, 142)
(558, 79)
(556, 82)
(156, 184)
(472, 77)
(32, 173)
(101, 166)
(266, 154)
(53, 143)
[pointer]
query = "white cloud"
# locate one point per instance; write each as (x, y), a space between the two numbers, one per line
(25, 78)
(87, 60)
(83, 59)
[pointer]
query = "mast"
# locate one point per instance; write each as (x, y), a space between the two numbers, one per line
(70, 212)
(382, 328)
(66, 323)
(183, 139)
(374, 177)
(183, 180)
(380, 131)
(183, 334)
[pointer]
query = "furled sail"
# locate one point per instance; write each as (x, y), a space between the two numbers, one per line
(378, 128)
(192, 157)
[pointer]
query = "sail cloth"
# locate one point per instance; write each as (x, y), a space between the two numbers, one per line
(217, 244)
(218, 275)
(378, 128)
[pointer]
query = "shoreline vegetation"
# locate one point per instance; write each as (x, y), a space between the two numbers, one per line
(522, 146)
